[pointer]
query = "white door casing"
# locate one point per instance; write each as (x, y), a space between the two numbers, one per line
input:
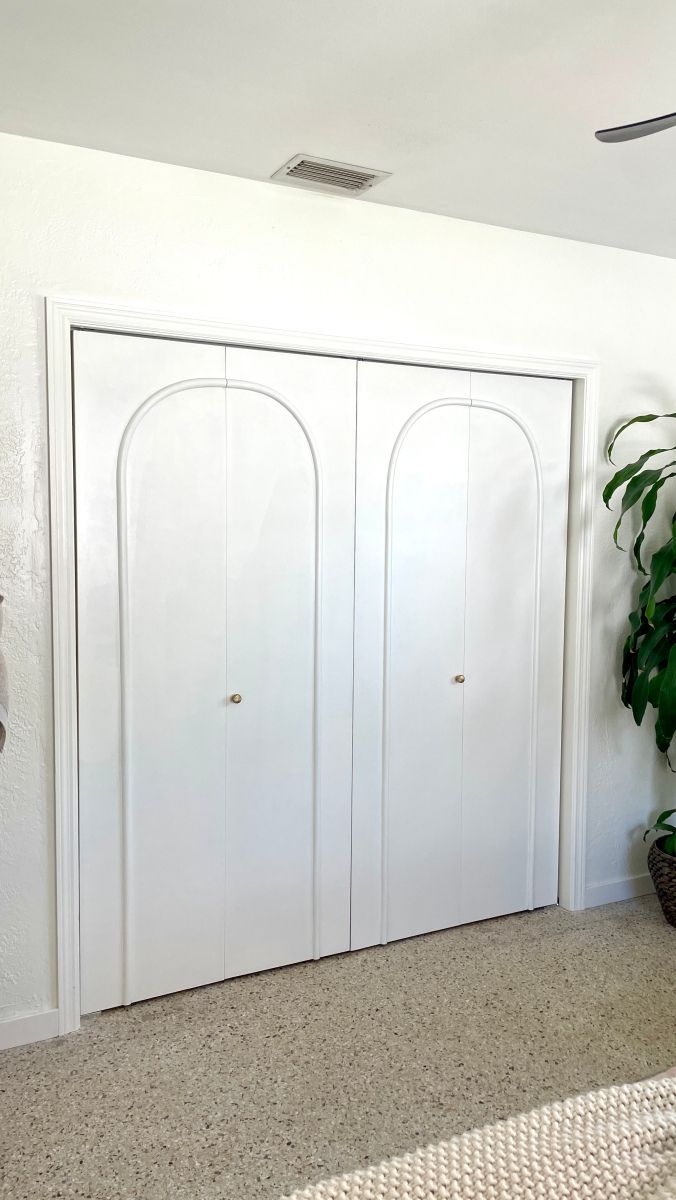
(65, 315)
(404, 477)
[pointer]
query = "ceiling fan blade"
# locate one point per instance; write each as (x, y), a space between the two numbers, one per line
(625, 133)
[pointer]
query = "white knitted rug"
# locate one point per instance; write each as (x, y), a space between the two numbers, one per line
(616, 1144)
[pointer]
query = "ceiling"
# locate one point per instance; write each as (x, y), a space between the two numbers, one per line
(481, 109)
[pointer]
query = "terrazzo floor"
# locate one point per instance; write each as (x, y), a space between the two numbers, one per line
(253, 1087)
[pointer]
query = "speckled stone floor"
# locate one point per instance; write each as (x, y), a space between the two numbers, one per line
(253, 1087)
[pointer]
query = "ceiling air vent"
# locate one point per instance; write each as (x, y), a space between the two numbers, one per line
(326, 176)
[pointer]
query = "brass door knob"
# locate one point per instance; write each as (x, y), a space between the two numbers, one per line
(459, 678)
(236, 698)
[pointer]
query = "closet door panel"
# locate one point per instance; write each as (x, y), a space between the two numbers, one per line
(544, 408)
(422, 702)
(173, 670)
(411, 480)
(271, 584)
(500, 648)
(290, 499)
(173, 679)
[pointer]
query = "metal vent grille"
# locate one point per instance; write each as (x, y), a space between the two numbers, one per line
(326, 176)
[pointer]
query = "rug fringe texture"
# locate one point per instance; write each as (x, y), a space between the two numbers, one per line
(615, 1144)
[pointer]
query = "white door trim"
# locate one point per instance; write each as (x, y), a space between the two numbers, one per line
(63, 314)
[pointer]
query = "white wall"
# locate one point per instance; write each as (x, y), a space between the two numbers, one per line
(82, 222)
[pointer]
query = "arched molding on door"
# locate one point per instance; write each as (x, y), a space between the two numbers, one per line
(413, 420)
(124, 600)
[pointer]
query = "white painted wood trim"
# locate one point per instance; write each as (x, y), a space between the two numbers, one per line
(64, 652)
(578, 640)
(36, 1027)
(63, 314)
(618, 889)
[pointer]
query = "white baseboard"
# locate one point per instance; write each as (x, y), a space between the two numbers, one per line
(36, 1027)
(618, 889)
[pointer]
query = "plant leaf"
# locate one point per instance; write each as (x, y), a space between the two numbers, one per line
(655, 689)
(666, 718)
(651, 643)
(663, 825)
(635, 421)
(669, 841)
(663, 740)
(648, 507)
(627, 472)
(639, 696)
(635, 489)
(661, 567)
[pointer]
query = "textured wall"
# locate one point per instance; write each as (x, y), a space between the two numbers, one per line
(81, 222)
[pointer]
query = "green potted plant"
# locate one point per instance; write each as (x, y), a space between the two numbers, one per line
(662, 863)
(649, 653)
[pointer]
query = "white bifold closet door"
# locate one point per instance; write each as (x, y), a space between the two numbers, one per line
(462, 484)
(215, 538)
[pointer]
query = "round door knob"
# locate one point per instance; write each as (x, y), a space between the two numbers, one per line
(236, 698)
(460, 679)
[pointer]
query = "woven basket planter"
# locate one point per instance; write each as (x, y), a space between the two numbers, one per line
(662, 868)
